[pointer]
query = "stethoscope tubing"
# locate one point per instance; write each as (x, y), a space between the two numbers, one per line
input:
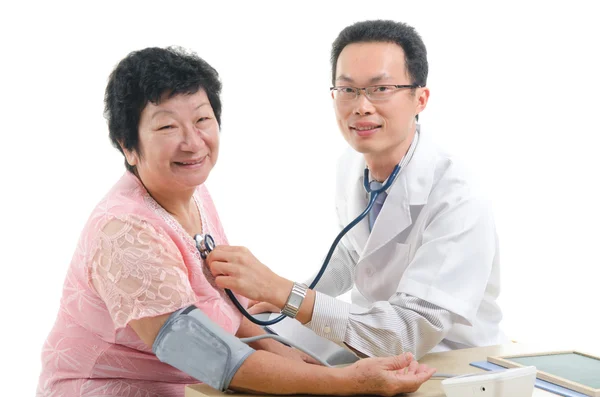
(277, 319)
(208, 243)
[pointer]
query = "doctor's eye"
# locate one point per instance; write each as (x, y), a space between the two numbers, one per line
(381, 88)
(346, 90)
(380, 91)
(344, 93)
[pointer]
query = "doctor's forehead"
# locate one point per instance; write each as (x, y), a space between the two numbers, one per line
(372, 63)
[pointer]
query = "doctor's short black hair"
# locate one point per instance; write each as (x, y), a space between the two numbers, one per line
(147, 76)
(386, 31)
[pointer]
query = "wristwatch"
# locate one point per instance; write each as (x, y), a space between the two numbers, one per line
(294, 301)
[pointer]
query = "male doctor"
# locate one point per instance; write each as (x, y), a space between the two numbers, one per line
(423, 267)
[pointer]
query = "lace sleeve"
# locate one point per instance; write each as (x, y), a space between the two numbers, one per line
(139, 272)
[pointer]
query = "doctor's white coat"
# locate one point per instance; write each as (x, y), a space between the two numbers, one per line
(427, 277)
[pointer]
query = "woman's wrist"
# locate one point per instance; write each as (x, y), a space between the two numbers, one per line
(271, 345)
(343, 383)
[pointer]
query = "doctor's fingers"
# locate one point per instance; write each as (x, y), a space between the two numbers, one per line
(240, 285)
(231, 248)
(240, 257)
(226, 282)
(218, 268)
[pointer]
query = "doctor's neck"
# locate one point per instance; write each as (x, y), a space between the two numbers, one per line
(381, 164)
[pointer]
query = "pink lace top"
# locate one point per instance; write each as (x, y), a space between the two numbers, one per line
(133, 260)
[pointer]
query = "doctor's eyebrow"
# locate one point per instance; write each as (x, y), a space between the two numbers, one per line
(373, 80)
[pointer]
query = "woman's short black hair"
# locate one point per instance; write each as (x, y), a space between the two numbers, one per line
(147, 76)
(400, 33)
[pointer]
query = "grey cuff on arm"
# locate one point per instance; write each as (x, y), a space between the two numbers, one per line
(191, 342)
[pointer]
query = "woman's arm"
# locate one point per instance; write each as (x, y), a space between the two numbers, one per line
(249, 329)
(266, 372)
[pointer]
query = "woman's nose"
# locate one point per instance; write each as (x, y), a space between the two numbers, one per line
(192, 139)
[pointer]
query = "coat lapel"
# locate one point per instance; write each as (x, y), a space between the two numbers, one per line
(393, 218)
(357, 202)
(412, 187)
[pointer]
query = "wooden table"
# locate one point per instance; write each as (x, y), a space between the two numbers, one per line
(452, 362)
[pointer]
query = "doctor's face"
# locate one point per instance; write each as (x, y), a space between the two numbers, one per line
(377, 127)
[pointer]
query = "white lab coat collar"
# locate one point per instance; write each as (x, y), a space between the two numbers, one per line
(412, 187)
(419, 172)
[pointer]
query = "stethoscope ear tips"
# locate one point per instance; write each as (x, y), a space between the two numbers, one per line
(205, 244)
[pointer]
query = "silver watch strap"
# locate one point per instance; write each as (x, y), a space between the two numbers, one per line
(294, 301)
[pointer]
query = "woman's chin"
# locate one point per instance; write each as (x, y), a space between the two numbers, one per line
(190, 177)
(193, 181)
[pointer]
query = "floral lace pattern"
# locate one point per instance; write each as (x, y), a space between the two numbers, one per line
(133, 260)
(138, 272)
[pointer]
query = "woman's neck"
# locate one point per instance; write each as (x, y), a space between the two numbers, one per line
(180, 204)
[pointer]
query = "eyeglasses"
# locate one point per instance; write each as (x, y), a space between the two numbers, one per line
(373, 93)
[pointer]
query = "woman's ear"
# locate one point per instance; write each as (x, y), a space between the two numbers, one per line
(130, 155)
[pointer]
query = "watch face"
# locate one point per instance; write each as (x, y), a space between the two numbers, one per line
(296, 301)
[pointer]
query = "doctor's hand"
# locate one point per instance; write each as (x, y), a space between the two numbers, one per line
(389, 376)
(237, 269)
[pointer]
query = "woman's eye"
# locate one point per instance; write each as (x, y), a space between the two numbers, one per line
(166, 127)
(201, 119)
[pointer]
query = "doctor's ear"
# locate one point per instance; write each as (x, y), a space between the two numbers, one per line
(422, 99)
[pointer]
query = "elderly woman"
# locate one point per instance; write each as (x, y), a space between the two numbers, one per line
(136, 265)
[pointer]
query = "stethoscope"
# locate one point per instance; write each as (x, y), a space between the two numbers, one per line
(205, 243)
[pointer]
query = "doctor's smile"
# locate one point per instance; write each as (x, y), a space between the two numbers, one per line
(364, 129)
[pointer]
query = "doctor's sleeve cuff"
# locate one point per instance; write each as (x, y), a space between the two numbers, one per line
(330, 317)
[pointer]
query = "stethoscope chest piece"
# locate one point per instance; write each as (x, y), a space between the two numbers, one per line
(205, 244)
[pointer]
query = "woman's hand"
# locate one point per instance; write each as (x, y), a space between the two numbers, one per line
(388, 376)
(237, 269)
(256, 307)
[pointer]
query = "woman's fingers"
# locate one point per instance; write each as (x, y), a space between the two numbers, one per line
(263, 307)
(399, 362)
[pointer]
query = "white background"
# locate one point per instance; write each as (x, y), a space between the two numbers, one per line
(514, 92)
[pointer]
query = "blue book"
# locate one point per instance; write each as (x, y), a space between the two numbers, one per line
(539, 383)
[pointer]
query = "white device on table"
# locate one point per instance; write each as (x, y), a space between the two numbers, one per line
(513, 382)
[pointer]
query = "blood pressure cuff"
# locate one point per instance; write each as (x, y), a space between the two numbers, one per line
(194, 344)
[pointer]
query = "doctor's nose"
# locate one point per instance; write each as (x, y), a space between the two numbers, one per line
(362, 105)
